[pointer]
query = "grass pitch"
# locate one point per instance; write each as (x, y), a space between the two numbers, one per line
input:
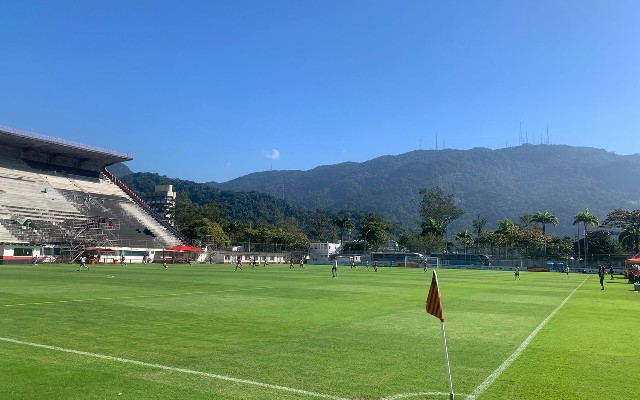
(209, 332)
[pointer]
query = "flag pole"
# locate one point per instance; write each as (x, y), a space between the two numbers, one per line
(434, 307)
(446, 360)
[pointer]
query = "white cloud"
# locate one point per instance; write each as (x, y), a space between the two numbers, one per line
(273, 154)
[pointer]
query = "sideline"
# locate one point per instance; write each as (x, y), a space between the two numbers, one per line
(487, 382)
(174, 369)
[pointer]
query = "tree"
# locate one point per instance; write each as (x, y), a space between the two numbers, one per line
(343, 223)
(544, 218)
(266, 238)
(207, 230)
(505, 236)
(256, 237)
(439, 206)
(628, 222)
(465, 238)
(424, 244)
(373, 230)
(479, 228)
(585, 218)
(320, 227)
(186, 211)
(506, 226)
(290, 241)
(602, 246)
(630, 238)
(432, 227)
(526, 222)
(297, 241)
(560, 248)
(232, 229)
(529, 241)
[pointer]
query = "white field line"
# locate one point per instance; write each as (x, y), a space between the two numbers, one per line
(174, 369)
(128, 297)
(102, 298)
(487, 382)
(407, 395)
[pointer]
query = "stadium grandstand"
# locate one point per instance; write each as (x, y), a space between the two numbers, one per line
(58, 201)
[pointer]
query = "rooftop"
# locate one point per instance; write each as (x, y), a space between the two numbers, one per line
(30, 141)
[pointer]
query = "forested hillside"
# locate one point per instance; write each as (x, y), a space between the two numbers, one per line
(492, 184)
(236, 206)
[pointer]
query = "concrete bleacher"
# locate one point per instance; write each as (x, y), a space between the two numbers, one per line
(58, 205)
(6, 236)
(26, 194)
(149, 223)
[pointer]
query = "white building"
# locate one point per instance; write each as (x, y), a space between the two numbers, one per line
(321, 253)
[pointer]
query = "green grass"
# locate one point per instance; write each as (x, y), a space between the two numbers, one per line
(364, 335)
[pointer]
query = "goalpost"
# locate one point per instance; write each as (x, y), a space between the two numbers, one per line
(432, 262)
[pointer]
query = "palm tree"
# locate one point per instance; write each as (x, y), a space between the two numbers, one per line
(465, 238)
(544, 218)
(630, 237)
(433, 227)
(585, 218)
(629, 222)
(505, 234)
(506, 226)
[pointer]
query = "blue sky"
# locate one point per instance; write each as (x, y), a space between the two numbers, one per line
(213, 90)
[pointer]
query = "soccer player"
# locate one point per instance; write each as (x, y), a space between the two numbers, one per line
(238, 263)
(301, 262)
(334, 269)
(291, 263)
(164, 262)
(426, 265)
(516, 273)
(601, 274)
(353, 262)
(375, 265)
(122, 260)
(83, 263)
(611, 271)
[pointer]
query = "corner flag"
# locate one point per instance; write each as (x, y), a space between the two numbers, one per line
(434, 307)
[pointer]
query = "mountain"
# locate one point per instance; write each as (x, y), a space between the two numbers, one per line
(493, 184)
(120, 170)
(237, 206)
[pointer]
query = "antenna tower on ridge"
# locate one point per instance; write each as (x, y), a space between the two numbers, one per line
(520, 141)
(548, 141)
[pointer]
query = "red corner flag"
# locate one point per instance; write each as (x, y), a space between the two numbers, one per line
(434, 307)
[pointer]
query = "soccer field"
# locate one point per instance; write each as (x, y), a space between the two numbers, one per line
(209, 332)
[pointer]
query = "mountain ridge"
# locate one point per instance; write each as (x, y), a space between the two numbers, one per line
(494, 184)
